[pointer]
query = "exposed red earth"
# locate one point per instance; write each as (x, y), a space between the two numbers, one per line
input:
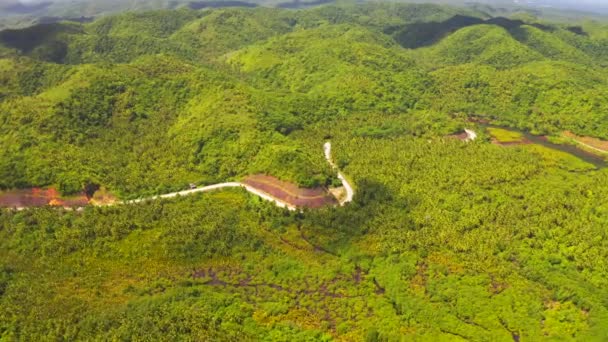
(284, 194)
(38, 197)
(463, 136)
(281, 190)
(291, 193)
(593, 144)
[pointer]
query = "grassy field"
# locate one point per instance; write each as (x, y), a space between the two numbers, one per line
(502, 135)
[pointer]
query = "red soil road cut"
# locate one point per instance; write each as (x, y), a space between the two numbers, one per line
(595, 144)
(291, 193)
(37, 197)
(460, 136)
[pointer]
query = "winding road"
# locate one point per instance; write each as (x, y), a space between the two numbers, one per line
(327, 149)
(208, 188)
(249, 188)
(349, 189)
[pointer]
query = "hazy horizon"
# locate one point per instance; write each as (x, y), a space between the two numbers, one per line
(594, 6)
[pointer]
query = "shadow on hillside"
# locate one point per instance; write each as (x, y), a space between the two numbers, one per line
(577, 30)
(219, 4)
(41, 40)
(295, 4)
(53, 20)
(25, 7)
(417, 35)
(331, 229)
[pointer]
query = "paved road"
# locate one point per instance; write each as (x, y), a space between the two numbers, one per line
(263, 195)
(327, 149)
(349, 189)
(213, 187)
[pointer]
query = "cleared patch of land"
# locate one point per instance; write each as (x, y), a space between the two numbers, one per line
(503, 136)
(466, 135)
(462, 136)
(593, 144)
(283, 194)
(291, 193)
(37, 197)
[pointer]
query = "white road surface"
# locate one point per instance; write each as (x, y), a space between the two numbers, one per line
(326, 148)
(213, 187)
(349, 189)
(263, 195)
(471, 135)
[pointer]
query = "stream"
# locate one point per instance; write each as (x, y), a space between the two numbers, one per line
(589, 157)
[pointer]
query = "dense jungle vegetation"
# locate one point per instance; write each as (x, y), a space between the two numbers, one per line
(445, 240)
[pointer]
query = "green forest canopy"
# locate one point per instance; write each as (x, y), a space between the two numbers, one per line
(444, 241)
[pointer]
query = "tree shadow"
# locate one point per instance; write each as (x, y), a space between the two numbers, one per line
(44, 38)
(577, 30)
(331, 229)
(418, 35)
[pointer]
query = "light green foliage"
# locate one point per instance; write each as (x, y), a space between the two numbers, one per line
(482, 44)
(541, 97)
(504, 135)
(549, 45)
(344, 67)
(159, 24)
(224, 30)
(560, 159)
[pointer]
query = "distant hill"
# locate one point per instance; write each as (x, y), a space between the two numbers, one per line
(15, 13)
(386, 58)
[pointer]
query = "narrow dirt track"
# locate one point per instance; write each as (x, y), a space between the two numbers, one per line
(589, 146)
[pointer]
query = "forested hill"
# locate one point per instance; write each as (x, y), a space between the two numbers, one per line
(150, 102)
(445, 240)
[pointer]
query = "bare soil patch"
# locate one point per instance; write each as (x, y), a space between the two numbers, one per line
(463, 136)
(291, 193)
(593, 142)
(39, 197)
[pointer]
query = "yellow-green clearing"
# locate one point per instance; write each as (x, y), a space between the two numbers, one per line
(504, 135)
